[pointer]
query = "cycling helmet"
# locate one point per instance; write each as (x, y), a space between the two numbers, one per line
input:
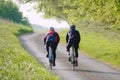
(72, 27)
(51, 28)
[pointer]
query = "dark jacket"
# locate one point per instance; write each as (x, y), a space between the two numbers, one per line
(73, 37)
(51, 32)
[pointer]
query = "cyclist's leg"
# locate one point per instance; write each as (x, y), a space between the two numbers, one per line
(76, 50)
(68, 50)
(54, 56)
(47, 48)
(55, 47)
(68, 47)
(54, 52)
(76, 54)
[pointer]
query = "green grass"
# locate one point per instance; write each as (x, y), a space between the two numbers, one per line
(101, 48)
(15, 62)
(102, 45)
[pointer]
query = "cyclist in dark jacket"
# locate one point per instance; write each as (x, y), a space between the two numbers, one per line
(54, 44)
(73, 39)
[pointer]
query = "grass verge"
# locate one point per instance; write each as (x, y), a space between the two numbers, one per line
(15, 62)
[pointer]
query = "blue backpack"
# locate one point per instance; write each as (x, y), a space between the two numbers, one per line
(51, 37)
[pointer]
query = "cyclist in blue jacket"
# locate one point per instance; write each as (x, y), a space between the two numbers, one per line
(52, 39)
(73, 38)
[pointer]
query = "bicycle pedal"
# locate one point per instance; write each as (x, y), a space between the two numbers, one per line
(53, 63)
(76, 63)
(69, 59)
(72, 62)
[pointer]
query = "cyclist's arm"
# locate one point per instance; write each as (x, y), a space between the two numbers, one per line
(58, 38)
(45, 39)
(67, 37)
(79, 37)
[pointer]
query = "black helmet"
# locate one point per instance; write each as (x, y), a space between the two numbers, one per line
(72, 27)
(51, 28)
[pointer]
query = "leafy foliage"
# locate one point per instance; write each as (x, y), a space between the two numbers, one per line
(10, 11)
(105, 12)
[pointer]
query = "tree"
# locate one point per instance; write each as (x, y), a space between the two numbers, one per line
(104, 12)
(10, 11)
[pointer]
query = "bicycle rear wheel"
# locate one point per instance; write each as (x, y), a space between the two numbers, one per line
(73, 58)
(50, 58)
(50, 65)
(73, 62)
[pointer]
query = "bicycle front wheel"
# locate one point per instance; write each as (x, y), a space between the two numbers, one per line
(50, 65)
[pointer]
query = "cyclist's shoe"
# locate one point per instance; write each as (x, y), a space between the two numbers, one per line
(76, 63)
(72, 62)
(53, 64)
(47, 55)
(68, 52)
(69, 58)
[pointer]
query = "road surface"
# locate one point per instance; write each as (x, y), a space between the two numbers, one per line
(88, 69)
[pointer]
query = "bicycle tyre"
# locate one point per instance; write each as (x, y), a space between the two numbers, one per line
(50, 56)
(73, 58)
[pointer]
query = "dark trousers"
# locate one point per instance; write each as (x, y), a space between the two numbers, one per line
(75, 45)
(53, 45)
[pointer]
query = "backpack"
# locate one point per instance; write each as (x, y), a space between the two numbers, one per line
(51, 37)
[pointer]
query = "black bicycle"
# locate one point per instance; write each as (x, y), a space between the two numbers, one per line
(50, 57)
(72, 58)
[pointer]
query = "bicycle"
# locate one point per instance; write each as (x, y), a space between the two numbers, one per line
(72, 58)
(50, 57)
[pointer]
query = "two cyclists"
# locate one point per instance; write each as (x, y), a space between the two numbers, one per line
(72, 39)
